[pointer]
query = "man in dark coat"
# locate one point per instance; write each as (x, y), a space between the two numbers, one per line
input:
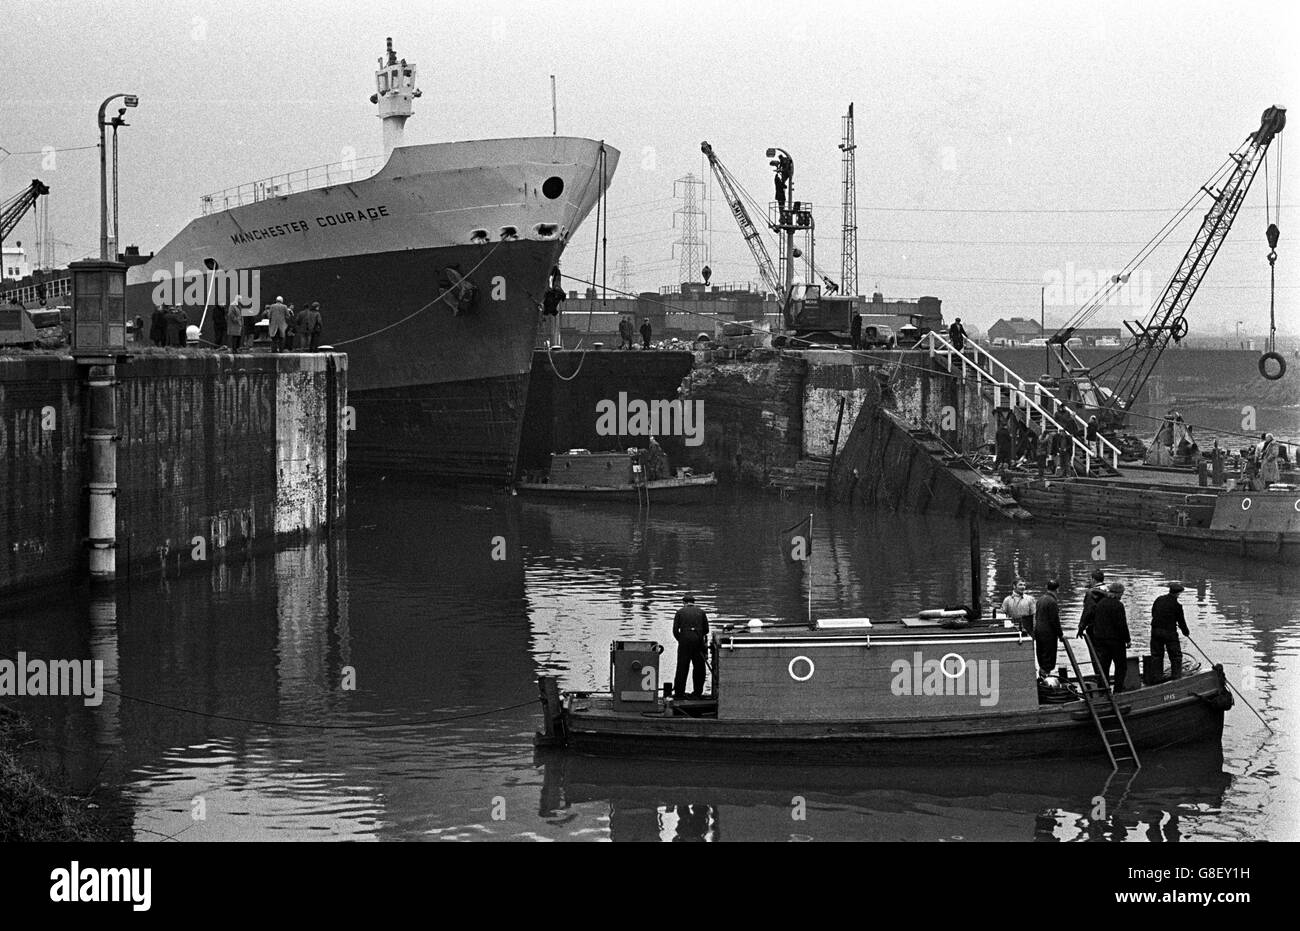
(309, 326)
(855, 331)
(957, 334)
(1002, 445)
(1108, 629)
(1166, 620)
(218, 314)
(1047, 628)
(1063, 450)
(645, 333)
(1096, 592)
(625, 334)
(691, 631)
(158, 326)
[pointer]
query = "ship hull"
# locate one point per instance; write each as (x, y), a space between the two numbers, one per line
(438, 377)
(1178, 711)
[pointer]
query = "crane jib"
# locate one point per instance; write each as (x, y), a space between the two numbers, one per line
(1135, 363)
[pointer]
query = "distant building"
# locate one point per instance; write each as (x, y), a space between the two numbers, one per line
(928, 309)
(673, 313)
(1099, 336)
(1014, 331)
(684, 311)
(14, 262)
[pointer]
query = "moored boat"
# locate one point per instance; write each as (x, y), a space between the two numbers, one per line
(622, 477)
(1263, 525)
(855, 691)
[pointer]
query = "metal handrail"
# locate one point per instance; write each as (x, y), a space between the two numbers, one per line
(292, 182)
(1020, 384)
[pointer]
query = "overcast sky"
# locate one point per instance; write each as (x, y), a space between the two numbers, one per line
(999, 144)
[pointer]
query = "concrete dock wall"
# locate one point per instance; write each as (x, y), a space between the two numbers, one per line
(770, 408)
(217, 454)
(753, 414)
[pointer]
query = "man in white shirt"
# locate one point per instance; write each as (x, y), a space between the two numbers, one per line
(1019, 607)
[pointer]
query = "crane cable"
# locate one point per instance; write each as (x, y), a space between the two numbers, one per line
(602, 206)
(1104, 293)
(1272, 213)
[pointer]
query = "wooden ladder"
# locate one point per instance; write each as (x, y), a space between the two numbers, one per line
(1104, 710)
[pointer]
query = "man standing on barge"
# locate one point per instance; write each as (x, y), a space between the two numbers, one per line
(1166, 620)
(1108, 625)
(1047, 628)
(691, 631)
(1019, 608)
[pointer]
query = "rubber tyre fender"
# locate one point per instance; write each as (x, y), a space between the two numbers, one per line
(1263, 365)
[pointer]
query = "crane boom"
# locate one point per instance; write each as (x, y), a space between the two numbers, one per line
(753, 238)
(16, 207)
(1134, 364)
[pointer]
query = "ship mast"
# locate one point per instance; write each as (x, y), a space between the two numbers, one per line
(395, 90)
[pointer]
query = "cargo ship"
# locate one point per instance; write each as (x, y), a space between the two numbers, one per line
(430, 264)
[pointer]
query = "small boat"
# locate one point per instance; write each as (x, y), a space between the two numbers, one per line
(1262, 525)
(853, 691)
(618, 476)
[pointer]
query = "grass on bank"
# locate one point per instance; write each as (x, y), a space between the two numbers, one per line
(35, 806)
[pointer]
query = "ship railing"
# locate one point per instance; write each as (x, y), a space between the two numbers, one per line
(293, 182)
(1033, 397)
(27, 294)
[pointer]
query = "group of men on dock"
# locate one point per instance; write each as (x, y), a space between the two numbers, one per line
(1105, 622)
(233, 326)
(626, 333)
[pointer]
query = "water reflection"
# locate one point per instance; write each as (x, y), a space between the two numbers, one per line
(379, 684)
(1180, 794)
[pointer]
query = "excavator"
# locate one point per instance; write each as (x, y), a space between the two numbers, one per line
(1109, 388)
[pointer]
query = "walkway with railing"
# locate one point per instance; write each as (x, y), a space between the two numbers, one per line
(293, 182)
(1032, 397)
(55, 287)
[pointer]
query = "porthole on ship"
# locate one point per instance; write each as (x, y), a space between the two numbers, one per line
(552, 187)
(478, 237)
(546, 230)
(509, 233)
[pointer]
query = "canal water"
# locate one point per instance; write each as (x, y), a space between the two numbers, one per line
(380, 685)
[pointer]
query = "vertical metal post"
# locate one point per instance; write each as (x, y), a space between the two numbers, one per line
(117, 240)
(1042, 329)
(103, 189)
(976, 585)
(102, 438)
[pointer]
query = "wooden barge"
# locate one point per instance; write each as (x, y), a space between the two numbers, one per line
(852, 691)
(1128, 503)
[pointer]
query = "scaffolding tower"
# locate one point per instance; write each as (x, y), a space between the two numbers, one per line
(624, 272)
(689, 247)
(849, 248)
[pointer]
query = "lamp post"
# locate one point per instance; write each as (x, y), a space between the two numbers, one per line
(130, 100)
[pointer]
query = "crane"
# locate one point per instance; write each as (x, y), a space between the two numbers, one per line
(14, 209)
(1131, 367)
(753, 238)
